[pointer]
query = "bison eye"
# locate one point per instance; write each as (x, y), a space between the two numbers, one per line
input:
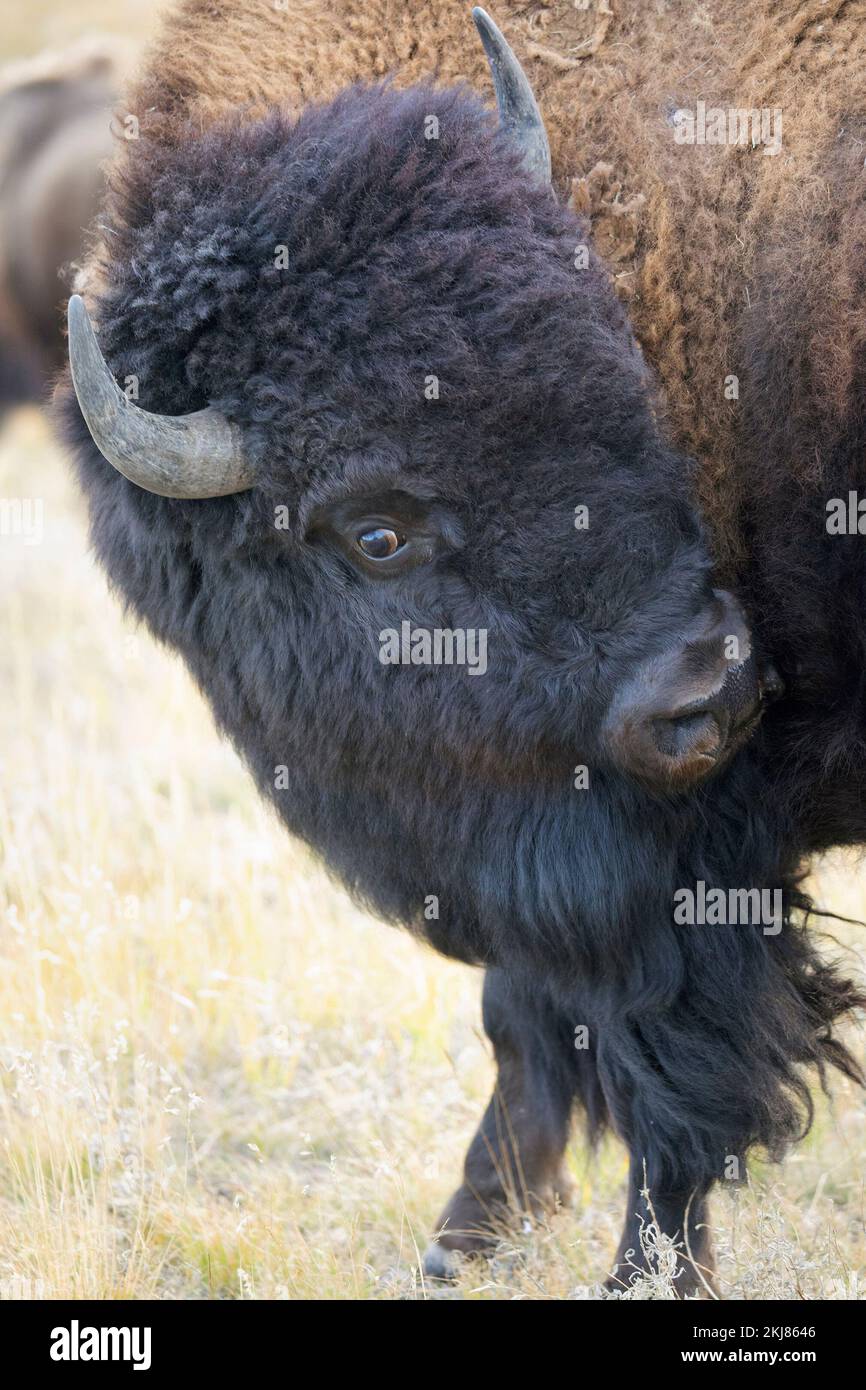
(380, 543)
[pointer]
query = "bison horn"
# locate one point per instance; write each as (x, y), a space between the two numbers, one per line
(518, 110)
(198, 455)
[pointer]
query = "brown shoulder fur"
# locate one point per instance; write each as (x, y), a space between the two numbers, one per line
(691, 234)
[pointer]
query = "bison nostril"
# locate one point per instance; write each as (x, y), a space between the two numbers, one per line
(689, 736)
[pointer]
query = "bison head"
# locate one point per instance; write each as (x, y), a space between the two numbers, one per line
(376, 387)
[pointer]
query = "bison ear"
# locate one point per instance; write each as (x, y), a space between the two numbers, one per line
(518, 110)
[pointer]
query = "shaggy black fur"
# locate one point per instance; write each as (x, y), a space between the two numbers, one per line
(410, 257)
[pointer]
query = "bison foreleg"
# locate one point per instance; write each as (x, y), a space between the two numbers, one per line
(665, 1235)
(514, 1168)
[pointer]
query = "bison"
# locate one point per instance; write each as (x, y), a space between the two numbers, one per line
(379, 390)
(55, 135)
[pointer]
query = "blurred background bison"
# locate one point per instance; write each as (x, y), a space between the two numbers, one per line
(55, 134)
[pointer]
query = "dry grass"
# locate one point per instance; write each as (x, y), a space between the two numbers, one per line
(218, 1078)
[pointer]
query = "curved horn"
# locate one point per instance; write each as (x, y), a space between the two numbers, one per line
(518, 110)
(198, 455)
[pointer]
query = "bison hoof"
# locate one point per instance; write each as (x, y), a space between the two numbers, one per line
(441, 1264)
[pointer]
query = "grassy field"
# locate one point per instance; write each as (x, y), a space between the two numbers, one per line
(217, 1078)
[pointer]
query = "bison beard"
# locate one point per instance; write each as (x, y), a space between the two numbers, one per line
(700, 1037)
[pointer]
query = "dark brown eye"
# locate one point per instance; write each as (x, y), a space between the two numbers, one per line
(380, 543)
